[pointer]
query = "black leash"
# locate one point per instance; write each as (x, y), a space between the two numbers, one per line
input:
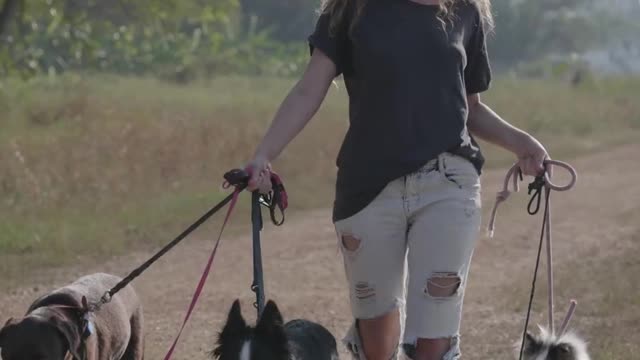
(258, 278)
(275, 199)
(138, 271)
(537, 187)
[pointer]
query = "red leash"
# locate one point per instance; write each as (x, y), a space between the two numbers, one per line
(277, 198)
(205, 274)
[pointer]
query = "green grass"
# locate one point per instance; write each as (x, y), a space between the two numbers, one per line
(95, 166)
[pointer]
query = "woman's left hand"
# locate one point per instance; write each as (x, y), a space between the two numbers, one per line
(531, 156)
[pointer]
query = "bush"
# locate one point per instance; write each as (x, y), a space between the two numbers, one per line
(172, 39)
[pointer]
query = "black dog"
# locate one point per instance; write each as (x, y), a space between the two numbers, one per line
(271, 339)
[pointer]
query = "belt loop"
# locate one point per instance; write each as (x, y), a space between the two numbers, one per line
(441, 164)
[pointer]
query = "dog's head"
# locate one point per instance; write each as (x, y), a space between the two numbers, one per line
(239, 341)
(549, 347)
(42, 336)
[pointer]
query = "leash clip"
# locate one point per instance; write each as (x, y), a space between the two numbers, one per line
(278, 199)
(536, 187)
(537, 184)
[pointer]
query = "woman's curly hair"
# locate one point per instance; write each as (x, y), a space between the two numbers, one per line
(339, 9)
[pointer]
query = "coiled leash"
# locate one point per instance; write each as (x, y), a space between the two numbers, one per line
(541, 184)
(276, 199)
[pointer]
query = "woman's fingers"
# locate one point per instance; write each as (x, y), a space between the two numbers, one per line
(254, 178)
(534, 165)
(259, 178)
(264, 183)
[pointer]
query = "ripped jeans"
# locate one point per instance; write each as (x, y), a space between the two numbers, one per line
(410, 249)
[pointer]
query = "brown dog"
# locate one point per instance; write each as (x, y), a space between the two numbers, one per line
(54, 328)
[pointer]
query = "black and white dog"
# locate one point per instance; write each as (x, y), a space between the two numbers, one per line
(547, 346)
(271, 339)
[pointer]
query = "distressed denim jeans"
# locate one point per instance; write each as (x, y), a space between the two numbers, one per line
(410, 249)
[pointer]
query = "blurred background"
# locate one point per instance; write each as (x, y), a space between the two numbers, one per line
(118, 118)
(182, 41)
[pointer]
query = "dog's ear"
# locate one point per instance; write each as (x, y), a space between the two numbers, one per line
(234, 327)
(70, 332)
(271, 320)
(529, 338)
(235, 321)
(562, 351)
(5, 330)
(565, 348)
(531, 343)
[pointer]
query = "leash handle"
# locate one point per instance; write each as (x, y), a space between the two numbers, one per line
(276, 198)
(547, 177)
(515, 173)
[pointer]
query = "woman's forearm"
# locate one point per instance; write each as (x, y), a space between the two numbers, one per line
(299, 106)
(485, 124)
(294, 113)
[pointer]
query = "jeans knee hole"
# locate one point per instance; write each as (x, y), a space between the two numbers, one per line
(364, 290)
(350, 243)
(443, 285)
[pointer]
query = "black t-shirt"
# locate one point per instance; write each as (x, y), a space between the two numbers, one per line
(407, 77)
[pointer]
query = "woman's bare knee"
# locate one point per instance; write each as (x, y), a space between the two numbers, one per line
(432, 349)
(380, 336)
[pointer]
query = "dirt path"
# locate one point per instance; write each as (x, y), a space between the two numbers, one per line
(304, 271)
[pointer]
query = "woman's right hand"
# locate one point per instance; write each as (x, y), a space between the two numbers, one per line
(260, 174)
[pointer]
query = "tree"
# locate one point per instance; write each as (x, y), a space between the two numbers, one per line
(7, 11)
(124, 35)
(177, 39)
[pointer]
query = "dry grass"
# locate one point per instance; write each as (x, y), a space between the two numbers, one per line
(609, 287)
(94, 166)
(606, 284)
(596, 246)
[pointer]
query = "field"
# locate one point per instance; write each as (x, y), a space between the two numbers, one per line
(99, 171)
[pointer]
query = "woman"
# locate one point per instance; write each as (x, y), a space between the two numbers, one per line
(408, 188)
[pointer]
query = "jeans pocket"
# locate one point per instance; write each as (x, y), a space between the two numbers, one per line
(460, 172)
